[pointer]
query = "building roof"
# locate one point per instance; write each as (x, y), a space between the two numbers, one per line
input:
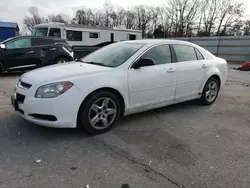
(9, 25)
(54, 24)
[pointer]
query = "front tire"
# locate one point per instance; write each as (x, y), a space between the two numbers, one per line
(210, 91)
(99, 113)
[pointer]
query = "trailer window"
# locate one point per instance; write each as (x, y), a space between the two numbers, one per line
(132, 37)
(41, 32)
(93, 35)
(74, 35)
(55, 32)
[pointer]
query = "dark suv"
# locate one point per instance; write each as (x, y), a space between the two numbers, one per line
(25, 53)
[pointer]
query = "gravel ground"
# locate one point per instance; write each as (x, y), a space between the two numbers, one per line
(183, 145)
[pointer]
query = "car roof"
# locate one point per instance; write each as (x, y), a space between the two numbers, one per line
(159, 41)
(153, 42)
(42, 37)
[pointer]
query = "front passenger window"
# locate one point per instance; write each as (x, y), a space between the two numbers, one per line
(19, 43)
(160, 54)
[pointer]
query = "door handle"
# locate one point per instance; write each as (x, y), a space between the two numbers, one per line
(171, 70)
(52, 49)
(30, 52)
(204, 66)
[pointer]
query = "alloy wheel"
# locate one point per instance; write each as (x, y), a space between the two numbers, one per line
(102, 113)
(211, 91)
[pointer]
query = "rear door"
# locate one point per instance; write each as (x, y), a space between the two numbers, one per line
(45, 48)
(19, 53)
(191, 69)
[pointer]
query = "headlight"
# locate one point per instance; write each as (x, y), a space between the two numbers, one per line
(53, 90)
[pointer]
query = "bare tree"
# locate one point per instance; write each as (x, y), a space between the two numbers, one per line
(129, 19)
(210, 13)
(108, 14)
(183, 15)
(229, 14)
(80, 17)
(177, 17)
(59, 18)
(119, 16)
(32, 19)
(144, 15)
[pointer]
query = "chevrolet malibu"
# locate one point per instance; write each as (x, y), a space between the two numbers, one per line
(118, 80)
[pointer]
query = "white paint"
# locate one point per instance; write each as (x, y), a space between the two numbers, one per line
(142, 89)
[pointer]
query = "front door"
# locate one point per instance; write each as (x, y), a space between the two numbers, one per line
(19, 54)
(191, 71)
(153, 84)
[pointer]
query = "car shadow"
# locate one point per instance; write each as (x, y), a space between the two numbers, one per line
(27, 129)
(10, 74)
(163, 110)
(17, 126)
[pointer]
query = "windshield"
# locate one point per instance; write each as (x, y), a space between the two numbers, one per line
(40, 32)
(113, 55)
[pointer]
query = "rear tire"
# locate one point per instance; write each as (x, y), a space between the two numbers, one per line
(61, 60)
(210, 91)
(99, 113)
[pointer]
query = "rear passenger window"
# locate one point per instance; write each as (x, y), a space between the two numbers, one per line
(199, 55)
(41, 42)
(185, 53)
(160, 54)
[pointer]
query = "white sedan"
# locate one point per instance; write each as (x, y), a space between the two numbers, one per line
(117, 80)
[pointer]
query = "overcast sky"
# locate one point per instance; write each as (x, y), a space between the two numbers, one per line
(15, 10)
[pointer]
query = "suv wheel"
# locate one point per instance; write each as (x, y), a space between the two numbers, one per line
(61, 60)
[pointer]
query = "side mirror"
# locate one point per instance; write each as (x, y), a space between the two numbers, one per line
(143, 63)
(2, 46)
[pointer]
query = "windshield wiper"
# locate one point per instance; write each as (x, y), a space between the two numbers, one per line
(94, 63)
(91, 62)
(79, 60)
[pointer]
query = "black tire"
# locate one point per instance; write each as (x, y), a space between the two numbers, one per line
(85, 110)
(204, 98)
(1, 69)
(60, 60)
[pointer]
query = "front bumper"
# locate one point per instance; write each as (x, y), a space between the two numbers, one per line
(59, 112)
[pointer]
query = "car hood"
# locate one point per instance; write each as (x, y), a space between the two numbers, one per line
(63, 71)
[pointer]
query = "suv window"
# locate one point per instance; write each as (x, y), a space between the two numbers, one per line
(184, 53)
(55, 32)
(19, 43)
(199, 55)
(160, 54)
(41, 42)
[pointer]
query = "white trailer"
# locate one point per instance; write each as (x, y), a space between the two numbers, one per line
(82, 35)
